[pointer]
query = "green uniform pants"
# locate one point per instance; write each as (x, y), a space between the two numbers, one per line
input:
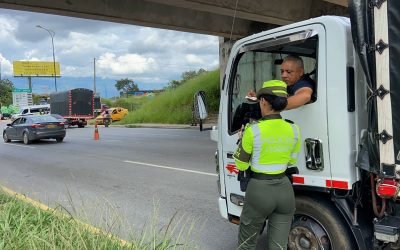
(267, 199)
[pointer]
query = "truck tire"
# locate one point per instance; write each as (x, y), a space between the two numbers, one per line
(318, 225)
(80, 125)
(59, 139)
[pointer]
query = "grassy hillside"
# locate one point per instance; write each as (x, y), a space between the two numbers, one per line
(174, 106)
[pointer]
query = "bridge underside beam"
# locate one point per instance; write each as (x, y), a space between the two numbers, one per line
(213, 17)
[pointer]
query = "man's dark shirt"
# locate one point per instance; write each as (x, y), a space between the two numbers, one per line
(305, 81)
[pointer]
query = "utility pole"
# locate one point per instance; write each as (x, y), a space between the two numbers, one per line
(52, 34)
(94, 76)
(0, 69)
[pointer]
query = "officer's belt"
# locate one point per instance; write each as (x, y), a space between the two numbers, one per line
(260, 176)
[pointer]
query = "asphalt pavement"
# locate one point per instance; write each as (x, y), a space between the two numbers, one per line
(135, 175)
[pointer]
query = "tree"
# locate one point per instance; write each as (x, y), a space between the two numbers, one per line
(40, 98)
(187, 75)
(174, 83)
(191, 74)
(126, 85)
(6, 87)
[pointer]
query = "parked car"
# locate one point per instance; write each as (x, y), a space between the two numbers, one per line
(28, 128)
(61, 119)
(6, 116)
(117, 114)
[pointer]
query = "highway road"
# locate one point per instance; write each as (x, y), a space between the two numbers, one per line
(130, 178)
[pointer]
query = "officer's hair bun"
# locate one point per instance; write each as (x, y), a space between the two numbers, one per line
(277, 103)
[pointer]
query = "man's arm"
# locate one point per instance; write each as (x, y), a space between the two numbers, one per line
(301, 97)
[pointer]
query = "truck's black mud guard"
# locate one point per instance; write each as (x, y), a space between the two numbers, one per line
(360, 228)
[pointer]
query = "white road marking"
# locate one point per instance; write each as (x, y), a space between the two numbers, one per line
(171, 168)
(16, 145)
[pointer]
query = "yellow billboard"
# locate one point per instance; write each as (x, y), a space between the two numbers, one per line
(30, 68)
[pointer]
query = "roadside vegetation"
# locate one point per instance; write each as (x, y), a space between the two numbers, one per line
(174, 104)
(23, 226)
(131, 103)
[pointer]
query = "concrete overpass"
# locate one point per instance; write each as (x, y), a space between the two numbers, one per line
(228, 19)
(213, 17)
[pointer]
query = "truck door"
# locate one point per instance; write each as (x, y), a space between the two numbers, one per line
(254, 61)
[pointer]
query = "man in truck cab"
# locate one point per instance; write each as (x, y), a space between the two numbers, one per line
(267, 147)
(300, 87)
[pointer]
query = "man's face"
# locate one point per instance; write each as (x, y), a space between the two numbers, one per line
(291, 72)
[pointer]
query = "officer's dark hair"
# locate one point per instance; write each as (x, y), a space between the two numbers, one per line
(277, 103)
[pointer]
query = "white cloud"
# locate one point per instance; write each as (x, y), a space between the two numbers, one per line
(147, 55)
(126, 64)
(194, 59)
(7, 27)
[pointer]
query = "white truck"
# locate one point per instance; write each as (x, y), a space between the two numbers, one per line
(347, 186)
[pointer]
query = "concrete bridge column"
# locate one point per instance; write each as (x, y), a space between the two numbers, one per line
(225, 46)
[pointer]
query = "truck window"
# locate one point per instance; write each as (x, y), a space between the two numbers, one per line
(254, 66)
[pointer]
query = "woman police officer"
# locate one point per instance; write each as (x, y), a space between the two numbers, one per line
(268, 146)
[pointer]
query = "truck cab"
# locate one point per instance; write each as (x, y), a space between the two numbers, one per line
(331, 129)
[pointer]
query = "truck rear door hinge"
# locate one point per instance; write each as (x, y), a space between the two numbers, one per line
(376, 3)
(384, 136)
(381, 92)
(380, 47)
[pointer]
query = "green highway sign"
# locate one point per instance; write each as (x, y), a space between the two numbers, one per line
(22, 90)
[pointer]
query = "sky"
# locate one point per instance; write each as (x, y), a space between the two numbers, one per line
(150, 57)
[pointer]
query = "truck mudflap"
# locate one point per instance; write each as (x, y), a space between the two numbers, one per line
(223, 209)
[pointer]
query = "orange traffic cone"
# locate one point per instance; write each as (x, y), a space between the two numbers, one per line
(96, 133)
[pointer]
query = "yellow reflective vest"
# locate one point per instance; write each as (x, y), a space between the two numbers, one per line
(268, 146)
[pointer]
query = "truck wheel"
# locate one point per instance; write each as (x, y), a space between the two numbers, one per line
(81, 125)
(5, 137)
(25, 138)
(317, 225)
(59, 139)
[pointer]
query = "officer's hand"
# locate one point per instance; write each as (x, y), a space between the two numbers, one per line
(251, 96)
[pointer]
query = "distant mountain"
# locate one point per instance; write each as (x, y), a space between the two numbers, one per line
(104, 86)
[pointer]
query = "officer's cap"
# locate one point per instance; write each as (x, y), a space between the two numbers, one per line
(273, 87)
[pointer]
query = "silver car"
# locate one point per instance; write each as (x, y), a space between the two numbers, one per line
(34, 127)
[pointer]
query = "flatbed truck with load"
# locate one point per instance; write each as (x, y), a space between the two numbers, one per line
(346, 181)
(75, 105)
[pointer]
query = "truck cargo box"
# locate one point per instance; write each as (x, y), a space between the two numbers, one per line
(73, 103)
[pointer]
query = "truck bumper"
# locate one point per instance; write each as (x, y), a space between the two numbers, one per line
(223, 209)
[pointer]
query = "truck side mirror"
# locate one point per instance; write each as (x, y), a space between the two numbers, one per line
(200, 111)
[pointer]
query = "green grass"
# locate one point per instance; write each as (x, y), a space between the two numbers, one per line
(130, 103)
(23, 226)
(174, 106)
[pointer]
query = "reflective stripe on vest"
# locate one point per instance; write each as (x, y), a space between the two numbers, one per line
(296, 138)
(257, 146)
